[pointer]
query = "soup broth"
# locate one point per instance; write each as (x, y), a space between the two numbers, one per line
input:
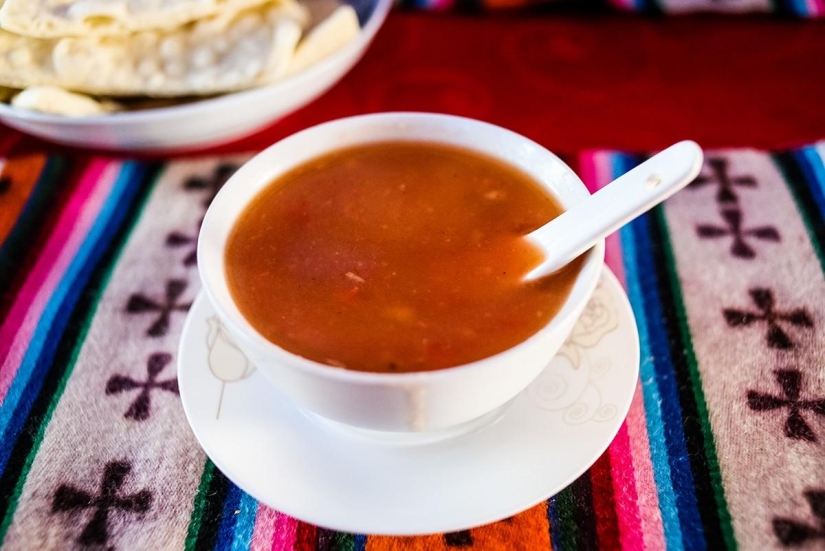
(395, 257)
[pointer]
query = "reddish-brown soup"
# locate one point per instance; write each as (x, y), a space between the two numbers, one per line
(395, 257)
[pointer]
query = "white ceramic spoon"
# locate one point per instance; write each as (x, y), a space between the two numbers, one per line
(628, 196)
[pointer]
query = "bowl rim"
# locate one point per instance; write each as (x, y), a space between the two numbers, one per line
(379, 13)
(239, 327)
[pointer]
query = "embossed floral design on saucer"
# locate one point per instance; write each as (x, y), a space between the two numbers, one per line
(576, 380)
(512, 459)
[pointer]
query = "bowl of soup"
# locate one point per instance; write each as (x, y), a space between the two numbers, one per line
(373, 267)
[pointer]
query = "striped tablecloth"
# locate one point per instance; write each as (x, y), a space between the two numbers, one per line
(724, 446)
(814, 9)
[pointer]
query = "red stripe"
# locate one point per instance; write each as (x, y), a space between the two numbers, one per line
(7, 142)
(604, 504)
(305, 537)
(38, 231)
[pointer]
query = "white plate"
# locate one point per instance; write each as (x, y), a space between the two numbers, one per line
(352, 481)
(208, 122)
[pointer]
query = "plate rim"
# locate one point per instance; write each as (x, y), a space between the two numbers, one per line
(160, 114)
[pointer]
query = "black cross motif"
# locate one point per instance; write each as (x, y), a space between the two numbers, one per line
(458, 539)
(733, 220)
(5, 184)
(790, 381)
(213, 184)
(719, 176)
(178, 239)
(140, 408)
(763, 299)
(139, 304)
(96, 532)
(792, 533)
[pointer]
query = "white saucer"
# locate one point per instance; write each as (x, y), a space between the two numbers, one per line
(347, 480)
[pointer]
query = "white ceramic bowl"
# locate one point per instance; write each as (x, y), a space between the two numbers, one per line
(395, 402)
(208, 122)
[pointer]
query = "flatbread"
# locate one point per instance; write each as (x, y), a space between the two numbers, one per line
(51, 99)
(25, 61)
(329, 36)
(62, 18)
(214, 55)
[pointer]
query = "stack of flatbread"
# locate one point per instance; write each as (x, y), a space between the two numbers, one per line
(86, 57)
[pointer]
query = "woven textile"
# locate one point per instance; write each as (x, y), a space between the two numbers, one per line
(724, 446)
(814, 9)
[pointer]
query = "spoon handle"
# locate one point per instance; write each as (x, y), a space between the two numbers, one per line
(635, 192)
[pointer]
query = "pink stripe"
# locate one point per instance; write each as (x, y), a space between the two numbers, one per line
(597, 171)
(637, 502)
(286, 532)
(613, 247)
(75, 221)
(624, 491)
(811, 8)
(588, 170)
(613, 257)
(647, 497)
(623, 4)
(441, 5)
(264, 528)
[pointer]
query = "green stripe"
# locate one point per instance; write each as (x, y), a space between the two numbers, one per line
(28, 227)
(330, 540)
(337, 541)
(213, 512)
(44, 194)
(199, 506)
(97, 286)
(715, 471)
(566, 506)
(343, 541)
(805, 203)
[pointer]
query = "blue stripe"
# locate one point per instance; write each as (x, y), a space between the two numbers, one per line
(226, 531)
(680, 471)
(553, 521)
(27, 383)
(652, 400)
(799, 7)
(812, 167)
(650, 392)
(360, 542)
(245, 522)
